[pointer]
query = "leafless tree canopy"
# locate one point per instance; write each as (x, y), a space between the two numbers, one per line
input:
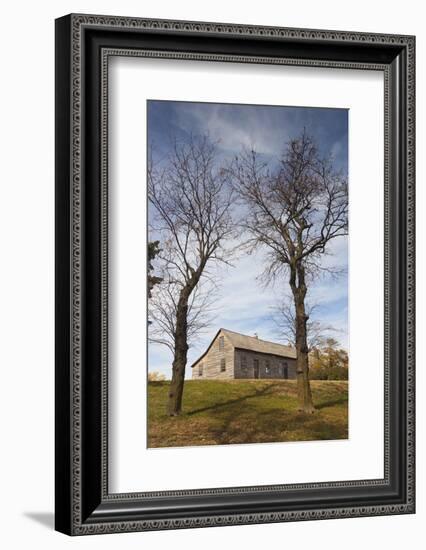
(295, 209)
(163, 314)
(192, 202)
(284, 319)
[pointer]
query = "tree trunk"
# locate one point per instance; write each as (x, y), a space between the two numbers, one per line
(302, 363)
(174, 403)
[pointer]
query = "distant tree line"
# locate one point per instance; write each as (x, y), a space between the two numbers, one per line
(328, 361)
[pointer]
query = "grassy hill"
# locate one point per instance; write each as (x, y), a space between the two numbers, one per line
(217, 412)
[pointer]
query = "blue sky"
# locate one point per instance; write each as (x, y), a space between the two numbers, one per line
(243, 304)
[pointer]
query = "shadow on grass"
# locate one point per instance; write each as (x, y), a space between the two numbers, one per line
(332, 402)
(264, 413)
(217, 406)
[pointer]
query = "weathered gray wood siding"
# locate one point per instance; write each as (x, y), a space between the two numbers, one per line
(211, 362)
(270, 366)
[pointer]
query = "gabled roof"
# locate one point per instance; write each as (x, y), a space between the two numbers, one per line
(252, 343)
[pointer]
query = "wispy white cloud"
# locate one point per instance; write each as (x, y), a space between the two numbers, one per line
(251, 131)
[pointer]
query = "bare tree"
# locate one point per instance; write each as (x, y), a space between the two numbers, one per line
(284, 319)
(191, 201)
(163, 308)
(295, 211)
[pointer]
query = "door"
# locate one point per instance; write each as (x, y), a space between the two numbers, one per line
(256, 368)
(285, 371)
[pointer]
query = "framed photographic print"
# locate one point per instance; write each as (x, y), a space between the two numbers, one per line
(234, 274)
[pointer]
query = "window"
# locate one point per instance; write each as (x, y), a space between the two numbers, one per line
(221, 343)
(267, 366)
(243, 362)
(200, 369)
(222, 365)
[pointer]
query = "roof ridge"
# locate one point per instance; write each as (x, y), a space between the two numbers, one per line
(256, 338)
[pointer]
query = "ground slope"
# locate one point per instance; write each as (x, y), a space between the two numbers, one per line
(217, 412)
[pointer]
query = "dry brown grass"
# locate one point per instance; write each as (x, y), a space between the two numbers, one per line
(219, 412)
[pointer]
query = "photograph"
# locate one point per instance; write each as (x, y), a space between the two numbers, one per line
(234, 274)
(247, 273)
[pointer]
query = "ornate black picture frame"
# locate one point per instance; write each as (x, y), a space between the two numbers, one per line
(83, 45)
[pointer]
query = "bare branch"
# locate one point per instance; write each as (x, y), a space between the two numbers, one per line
(296, 209)
(163, 313)
(284, 318)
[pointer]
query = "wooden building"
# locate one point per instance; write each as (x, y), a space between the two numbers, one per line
(231, 355)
